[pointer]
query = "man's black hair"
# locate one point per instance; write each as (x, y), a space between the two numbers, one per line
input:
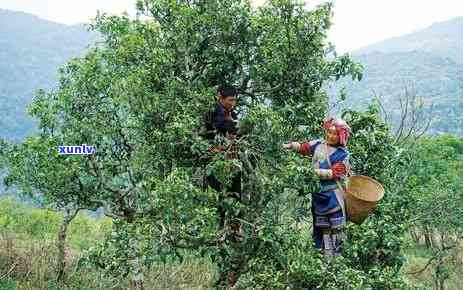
(227, 91)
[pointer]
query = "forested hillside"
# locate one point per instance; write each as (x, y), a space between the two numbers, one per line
(32, 50)
(444, 39)
(427, 63)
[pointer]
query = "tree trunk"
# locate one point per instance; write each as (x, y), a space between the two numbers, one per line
(442, 240)
(440, 279)
(434, 243)
(69, 215)
(427, 237)
(415, 236)
(138, 280)
(135, 265)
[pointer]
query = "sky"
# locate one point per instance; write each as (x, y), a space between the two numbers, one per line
(357, 23)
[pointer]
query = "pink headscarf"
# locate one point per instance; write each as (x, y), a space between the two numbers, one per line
(341, 127)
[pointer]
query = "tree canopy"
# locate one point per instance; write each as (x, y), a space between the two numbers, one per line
(139, 97)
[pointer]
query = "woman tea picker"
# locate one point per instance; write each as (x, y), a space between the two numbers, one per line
(330, 162)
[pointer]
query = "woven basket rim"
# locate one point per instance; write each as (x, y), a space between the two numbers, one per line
(381, 187)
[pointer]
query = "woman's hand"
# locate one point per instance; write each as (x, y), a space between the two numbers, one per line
(324, 174)
(291, 145)
(287, 146)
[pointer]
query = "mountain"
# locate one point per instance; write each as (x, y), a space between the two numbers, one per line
(444, 39)
(426, 63)
(32, 50)
(429, 63)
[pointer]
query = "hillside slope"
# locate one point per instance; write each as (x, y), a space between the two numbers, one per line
(32, 51)
(427, 63)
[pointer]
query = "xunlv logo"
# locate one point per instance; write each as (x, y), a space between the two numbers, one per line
(82, 149)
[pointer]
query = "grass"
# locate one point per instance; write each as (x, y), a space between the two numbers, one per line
(28, 257)
(31, 267)
(417, 259)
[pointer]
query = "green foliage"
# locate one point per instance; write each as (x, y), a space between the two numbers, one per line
(42, 224)
(20, 219)
(378, 243)
(8, 285)
(433, 78)
(139, 98)
(304, 268)
(438, 180)
(30, 255)
(373, 255)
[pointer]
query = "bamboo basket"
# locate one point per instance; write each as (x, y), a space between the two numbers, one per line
(361, 197)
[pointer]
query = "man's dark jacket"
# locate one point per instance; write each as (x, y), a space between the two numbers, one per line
(220, 121)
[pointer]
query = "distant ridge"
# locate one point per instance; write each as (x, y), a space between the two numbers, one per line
(442, 38)
(429, 62)
(32, 51)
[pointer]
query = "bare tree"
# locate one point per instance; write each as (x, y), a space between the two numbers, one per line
(414, 120)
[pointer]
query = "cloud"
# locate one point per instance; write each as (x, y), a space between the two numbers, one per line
(363, 22)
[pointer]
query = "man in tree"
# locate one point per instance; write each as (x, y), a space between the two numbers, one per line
(222, 122)
(330, 162)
